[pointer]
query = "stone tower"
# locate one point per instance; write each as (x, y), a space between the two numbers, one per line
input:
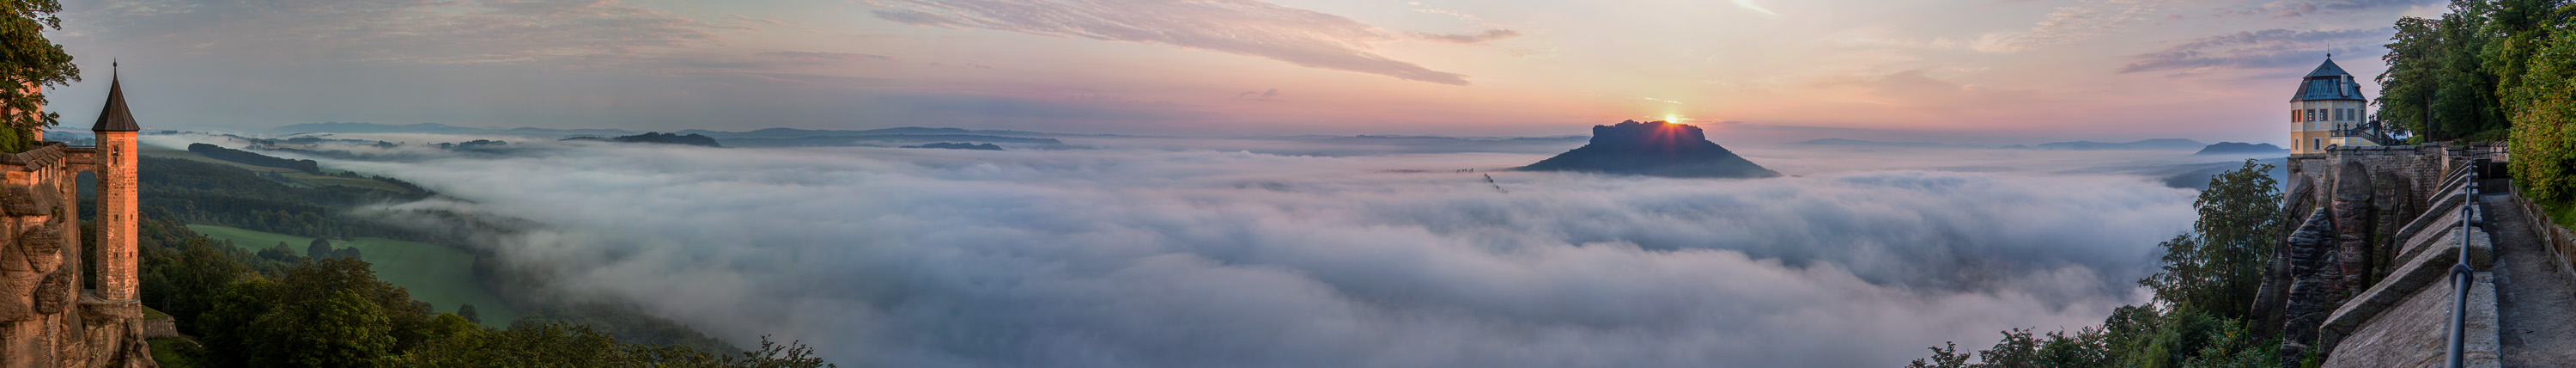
(49, 316)
(2327, 110)
(116, 191)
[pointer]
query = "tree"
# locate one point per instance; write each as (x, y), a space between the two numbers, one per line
(2084, 349)
(31, 61)
(231, 329)
(344, 329)
(2016, 350)
(198, 275)
(775, 355)
(467, 311)
(2219, 267)
(1942, 357)
(2464, 100)
(279, 253)
(2456, 69)
(319, 248)
(2544, 118)
(2406, 88)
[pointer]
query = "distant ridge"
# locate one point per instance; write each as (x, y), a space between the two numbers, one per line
(2151, 144)
(2233, 148)
(1653, 149)
(335, 127)
(657, 138)
(1856, 142)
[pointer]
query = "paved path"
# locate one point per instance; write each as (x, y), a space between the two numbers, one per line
(2535, 300)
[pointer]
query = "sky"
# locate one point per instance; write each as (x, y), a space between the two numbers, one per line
(1975, 71)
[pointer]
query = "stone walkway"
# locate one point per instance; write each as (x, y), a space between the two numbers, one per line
(2536, 300)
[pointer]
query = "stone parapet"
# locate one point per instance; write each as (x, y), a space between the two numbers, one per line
(45, 154)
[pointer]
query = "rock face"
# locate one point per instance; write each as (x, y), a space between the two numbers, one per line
(2271, 302)
(2316, 288)
(1654, 149)
(2352, 222)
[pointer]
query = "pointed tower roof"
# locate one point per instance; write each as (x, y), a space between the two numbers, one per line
(115, 118)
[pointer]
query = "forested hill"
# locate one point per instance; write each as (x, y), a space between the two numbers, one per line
(213, 194)
(248, 158)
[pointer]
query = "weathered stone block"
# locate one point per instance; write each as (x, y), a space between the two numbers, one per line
(55, 294)
(19, 200)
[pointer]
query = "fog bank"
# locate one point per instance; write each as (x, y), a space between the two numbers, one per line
(1185, 258)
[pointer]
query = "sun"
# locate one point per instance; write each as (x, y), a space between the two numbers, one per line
(1676, 119)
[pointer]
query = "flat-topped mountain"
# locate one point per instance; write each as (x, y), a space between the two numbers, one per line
(1654, 149)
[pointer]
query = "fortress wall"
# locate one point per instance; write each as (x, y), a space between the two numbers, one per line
(2418, 169)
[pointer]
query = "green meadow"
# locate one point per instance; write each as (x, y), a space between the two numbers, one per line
(442, 276)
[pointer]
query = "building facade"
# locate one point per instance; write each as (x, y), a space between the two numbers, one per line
(2328, 111)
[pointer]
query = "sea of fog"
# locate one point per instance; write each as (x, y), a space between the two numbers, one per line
(1185, 253)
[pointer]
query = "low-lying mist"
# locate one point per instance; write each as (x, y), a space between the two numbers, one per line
(1121, 257)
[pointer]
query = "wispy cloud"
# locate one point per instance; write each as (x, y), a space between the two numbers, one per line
(1246, 27)
(2080, 22)
(1258, 95)
(2270, 48)
(816, 55)
(1473, 38)
(411, 30)
(1490, 34)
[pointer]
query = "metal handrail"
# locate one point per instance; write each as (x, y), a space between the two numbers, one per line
(2461, 274)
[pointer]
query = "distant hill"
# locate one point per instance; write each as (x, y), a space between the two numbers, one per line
(1856, 142)
(963, 146)
(837, 141)
(655, 137)
(377, 128)
(2151, 144)
(2234, 148)
(1653, 149)
(804, 133)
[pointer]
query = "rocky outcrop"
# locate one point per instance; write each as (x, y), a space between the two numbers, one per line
(2272, 298)
(2313, 289)
(1653, 149)
(2375, 226)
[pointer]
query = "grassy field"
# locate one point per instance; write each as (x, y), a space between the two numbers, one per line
(297, 178)
(442, 276)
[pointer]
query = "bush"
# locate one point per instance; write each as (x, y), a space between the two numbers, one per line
(2544, 128)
